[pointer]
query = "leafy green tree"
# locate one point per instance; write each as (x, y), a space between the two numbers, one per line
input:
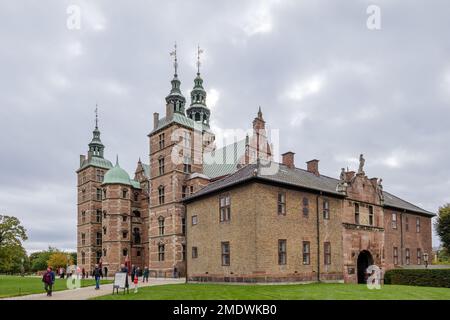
(12, 233)
(442, 226)
(39, 259)
(59, 259)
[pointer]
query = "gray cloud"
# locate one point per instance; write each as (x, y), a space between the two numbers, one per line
(333, 88)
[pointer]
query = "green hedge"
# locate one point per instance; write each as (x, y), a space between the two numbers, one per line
(419, 277)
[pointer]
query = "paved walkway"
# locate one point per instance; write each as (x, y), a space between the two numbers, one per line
(90, 292)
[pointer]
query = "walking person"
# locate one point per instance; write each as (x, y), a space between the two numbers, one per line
(83, 273)
(136, 279)
(133, 272)
(146, 272)
(96, 274)
(49, 280)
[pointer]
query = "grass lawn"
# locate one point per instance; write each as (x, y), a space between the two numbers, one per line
(11, 286)
(282, 292)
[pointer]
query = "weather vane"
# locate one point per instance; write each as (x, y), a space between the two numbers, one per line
(174, 54)
(199, 51)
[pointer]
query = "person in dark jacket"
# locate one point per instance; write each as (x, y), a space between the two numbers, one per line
(97, 274)
(106, 271)
(48, 279)
(133, 272)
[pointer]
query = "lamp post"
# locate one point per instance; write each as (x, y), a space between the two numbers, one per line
(67, 266)
(22, 269)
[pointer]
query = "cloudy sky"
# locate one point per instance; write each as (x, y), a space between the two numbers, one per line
(332, 86)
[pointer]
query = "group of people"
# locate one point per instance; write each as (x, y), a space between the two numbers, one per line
(135, 273)
(49, 276)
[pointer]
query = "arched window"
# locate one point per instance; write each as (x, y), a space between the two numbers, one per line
(124, 193)
(197, 116)
(83, 257)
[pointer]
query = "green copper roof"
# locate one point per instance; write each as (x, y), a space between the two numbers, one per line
(182, 120)
(135, 184)
(96, 162)
(117, 175)
(225, 160)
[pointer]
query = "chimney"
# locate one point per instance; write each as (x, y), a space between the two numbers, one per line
(155, 119)
(288, 159)
(169, 111)
(313, 166)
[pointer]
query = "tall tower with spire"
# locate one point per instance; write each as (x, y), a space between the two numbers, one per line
(175, 97)
(198, 111)
(90, 178)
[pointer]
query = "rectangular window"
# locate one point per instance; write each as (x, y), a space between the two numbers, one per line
(194, 220)
(306, 253)
(281, 203)
(326, 209)
(356, 213)
(407, 256)
(83, 239)
(327, 253)
(406, 223)
(161, 226)
(187, 167)
(183, 191)
(305, 207)
(417, 224)
(161, 166)
(419, 256)
(83, 216)
(395, 255)
(99, 194)
(224, 208)
(98, 216)
(225, 253)
(100, 176)
(161, 249)
(394, 221)
(281, 252)
(161, 196)
(161, 140)
(98, 238)
(370, 215)
(183, 251)
(194, 252)
(183, 225)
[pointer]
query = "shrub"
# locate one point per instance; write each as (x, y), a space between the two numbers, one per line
(419, 277)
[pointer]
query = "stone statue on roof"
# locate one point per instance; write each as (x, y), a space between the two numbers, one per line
(361, 164)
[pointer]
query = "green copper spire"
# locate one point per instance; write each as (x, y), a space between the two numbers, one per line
(175, 96)
(198, 110)
(96, 146)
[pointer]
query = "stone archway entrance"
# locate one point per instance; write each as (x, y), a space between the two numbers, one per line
(364, 261)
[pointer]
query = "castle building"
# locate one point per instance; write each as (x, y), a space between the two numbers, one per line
(226, 215)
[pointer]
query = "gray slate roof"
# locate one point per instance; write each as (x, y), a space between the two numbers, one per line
(293, 177)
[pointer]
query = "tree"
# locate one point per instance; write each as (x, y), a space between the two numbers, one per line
(59, 259)
(442, 226)
(12, 233)
(38, 260)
